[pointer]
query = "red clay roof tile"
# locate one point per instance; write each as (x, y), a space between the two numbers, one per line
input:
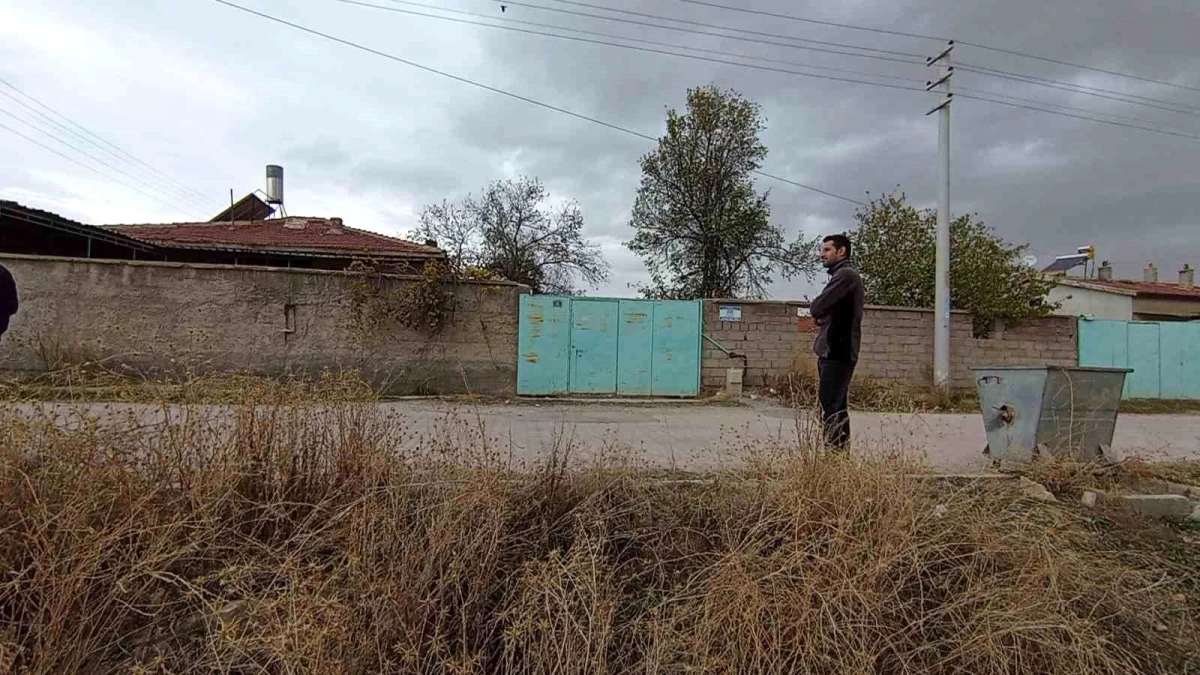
(1168, 288)
(294, 233)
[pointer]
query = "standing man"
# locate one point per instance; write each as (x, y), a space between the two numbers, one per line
(838, 310)
(8, 298)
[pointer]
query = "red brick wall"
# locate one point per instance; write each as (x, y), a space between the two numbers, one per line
(897, 343)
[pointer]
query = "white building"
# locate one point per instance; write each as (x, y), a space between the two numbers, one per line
(1103, 297)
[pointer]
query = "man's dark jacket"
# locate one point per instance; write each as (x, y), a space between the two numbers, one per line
(838, 310)
(8, 297)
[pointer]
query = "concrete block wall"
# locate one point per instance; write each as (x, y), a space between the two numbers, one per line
(152, 317)
(897, 343)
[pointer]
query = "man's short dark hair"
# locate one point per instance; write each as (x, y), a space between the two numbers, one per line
(839, 241)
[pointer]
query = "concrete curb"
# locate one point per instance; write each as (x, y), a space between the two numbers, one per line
(1160, 506)
(1181, 489)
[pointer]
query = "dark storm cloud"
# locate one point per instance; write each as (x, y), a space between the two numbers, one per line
(389, 139)
(849, 139)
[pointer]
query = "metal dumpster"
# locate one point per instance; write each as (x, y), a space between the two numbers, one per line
(1048, 410)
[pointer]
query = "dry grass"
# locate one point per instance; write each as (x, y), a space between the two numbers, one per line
(91, 382)
(1062, 476)
(798, 389)
(292, 536)
(1153, 406)
(1187, 472)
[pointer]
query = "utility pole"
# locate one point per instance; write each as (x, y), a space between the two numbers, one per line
(941, 295)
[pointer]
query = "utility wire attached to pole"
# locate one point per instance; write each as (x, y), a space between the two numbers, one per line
(497, 90)
(941, 294)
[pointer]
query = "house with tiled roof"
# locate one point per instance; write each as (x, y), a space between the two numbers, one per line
(1147, 299)
(290, 241)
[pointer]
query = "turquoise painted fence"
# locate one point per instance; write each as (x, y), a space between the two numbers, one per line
(1164, 355)
(608, 346)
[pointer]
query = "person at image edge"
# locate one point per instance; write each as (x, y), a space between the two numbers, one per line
(8, 298)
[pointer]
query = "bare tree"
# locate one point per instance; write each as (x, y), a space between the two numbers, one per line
(508, 231)
(455, 232)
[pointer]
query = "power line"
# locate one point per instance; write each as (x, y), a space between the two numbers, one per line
(64, 128)
(89, 132)
(106, 142)
(726, 36)
(977, 45)
(496, 90)
(1083, 67)
(90, 156)
(1081, 117)
(808, 187)
(745, 56)
(717, 26)
(790, 17)
(1035, 101)
(60, 126)
(1082, 89)
(1028, 79)
(641, 49)
(89, 168)
(671, 45)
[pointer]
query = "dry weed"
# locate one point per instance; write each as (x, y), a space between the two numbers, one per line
(95, 381)
(798, 389)
(328, 537)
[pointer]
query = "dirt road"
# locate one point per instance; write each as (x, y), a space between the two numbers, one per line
(699, 437)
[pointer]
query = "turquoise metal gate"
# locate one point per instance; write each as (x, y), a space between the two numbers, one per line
(594, 346)
(608, 346)
(1164, 355)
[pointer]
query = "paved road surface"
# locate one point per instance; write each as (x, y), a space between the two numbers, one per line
(698, 437)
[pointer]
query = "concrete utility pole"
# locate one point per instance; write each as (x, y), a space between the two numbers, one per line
(941, 295)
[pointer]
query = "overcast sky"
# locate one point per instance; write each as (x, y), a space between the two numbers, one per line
(208, 95)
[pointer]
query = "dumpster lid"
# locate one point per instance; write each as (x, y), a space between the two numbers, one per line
(1076, 369)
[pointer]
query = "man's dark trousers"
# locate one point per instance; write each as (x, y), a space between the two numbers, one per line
(833, 391)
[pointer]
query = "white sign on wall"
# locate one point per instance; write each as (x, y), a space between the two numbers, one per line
(731, 313)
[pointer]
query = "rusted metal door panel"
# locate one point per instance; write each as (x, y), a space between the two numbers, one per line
(594, 346)
(676, 359)
(635, 347)
(543, 345)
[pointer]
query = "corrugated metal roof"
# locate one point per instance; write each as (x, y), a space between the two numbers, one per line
(46, 219)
